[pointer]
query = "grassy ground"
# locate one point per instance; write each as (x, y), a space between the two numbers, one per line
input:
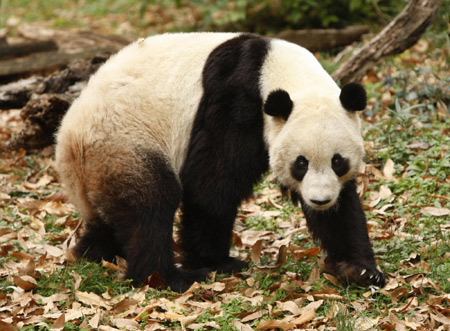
(405, 186)
(136, 18)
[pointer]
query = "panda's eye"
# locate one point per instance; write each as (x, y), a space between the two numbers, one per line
(339, 165)
(301, 162)
(337, 160)
(299, 168)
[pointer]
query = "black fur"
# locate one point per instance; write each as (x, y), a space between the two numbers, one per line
(285, 191)
(138, 209)
(299, 168)
(226, 154)
(353, 97)
(340, 165)
(98, 242)
(278, 104)
(295, 197)
(342, 231)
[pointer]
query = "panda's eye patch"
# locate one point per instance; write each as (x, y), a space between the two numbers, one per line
(299, 168)
(339, 165)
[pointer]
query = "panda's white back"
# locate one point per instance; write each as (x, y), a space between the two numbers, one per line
(148, 94)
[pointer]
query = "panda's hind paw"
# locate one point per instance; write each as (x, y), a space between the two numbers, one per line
(182, 280)
(231, 265)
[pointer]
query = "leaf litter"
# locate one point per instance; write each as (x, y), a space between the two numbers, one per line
(285, 287)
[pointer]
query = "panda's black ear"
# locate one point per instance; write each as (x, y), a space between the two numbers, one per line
(278, 104)
(353, 97)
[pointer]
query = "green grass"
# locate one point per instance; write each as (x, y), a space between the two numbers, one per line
(64, 10)
(344, 321)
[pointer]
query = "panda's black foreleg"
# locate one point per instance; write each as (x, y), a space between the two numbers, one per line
(342, 231)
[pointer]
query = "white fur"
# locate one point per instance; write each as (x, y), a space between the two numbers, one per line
(317, 128)
(157, 86)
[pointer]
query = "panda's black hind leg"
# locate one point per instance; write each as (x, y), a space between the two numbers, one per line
(342, 231)
(97, 242)
(147, 240)
(138, 196)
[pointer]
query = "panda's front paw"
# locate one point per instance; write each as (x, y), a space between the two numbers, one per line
(361, 274)
(371, 276)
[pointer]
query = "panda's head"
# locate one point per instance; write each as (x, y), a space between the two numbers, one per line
(315, 144)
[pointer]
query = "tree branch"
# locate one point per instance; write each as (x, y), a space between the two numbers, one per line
(400, 34)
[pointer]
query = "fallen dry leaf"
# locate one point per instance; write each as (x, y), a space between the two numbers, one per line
(59, 323)
(92, 299)
(254, 316)
(94, 321)
(388, 169)
(6, 326)
(273, 324)
(185, 321)
(242, 327)
(313, 276)
(256, 251)
(434, 211)
(124, 304)
(25, 282)
(290, 306)
(305, 317)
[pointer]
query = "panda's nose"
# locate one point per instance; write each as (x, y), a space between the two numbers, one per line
(320, 202)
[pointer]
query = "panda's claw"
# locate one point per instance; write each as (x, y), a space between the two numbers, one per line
(362, 274)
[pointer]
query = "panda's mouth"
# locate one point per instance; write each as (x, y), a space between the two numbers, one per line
(320, 204)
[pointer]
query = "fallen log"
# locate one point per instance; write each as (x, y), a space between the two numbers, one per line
(71, 44)
(400, 34)
(44, 101)
(43, 63)
(27, 48)
(323, 39)
(41, 115)
(17, 94)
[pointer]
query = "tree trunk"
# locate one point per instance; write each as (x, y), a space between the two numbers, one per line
(403, 32)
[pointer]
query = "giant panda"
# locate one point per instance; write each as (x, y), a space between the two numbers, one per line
(194, 120)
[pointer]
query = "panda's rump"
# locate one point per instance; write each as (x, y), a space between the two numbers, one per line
(106, 177)
(69, 166)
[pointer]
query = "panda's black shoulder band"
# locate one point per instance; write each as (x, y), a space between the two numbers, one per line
(353, 97)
